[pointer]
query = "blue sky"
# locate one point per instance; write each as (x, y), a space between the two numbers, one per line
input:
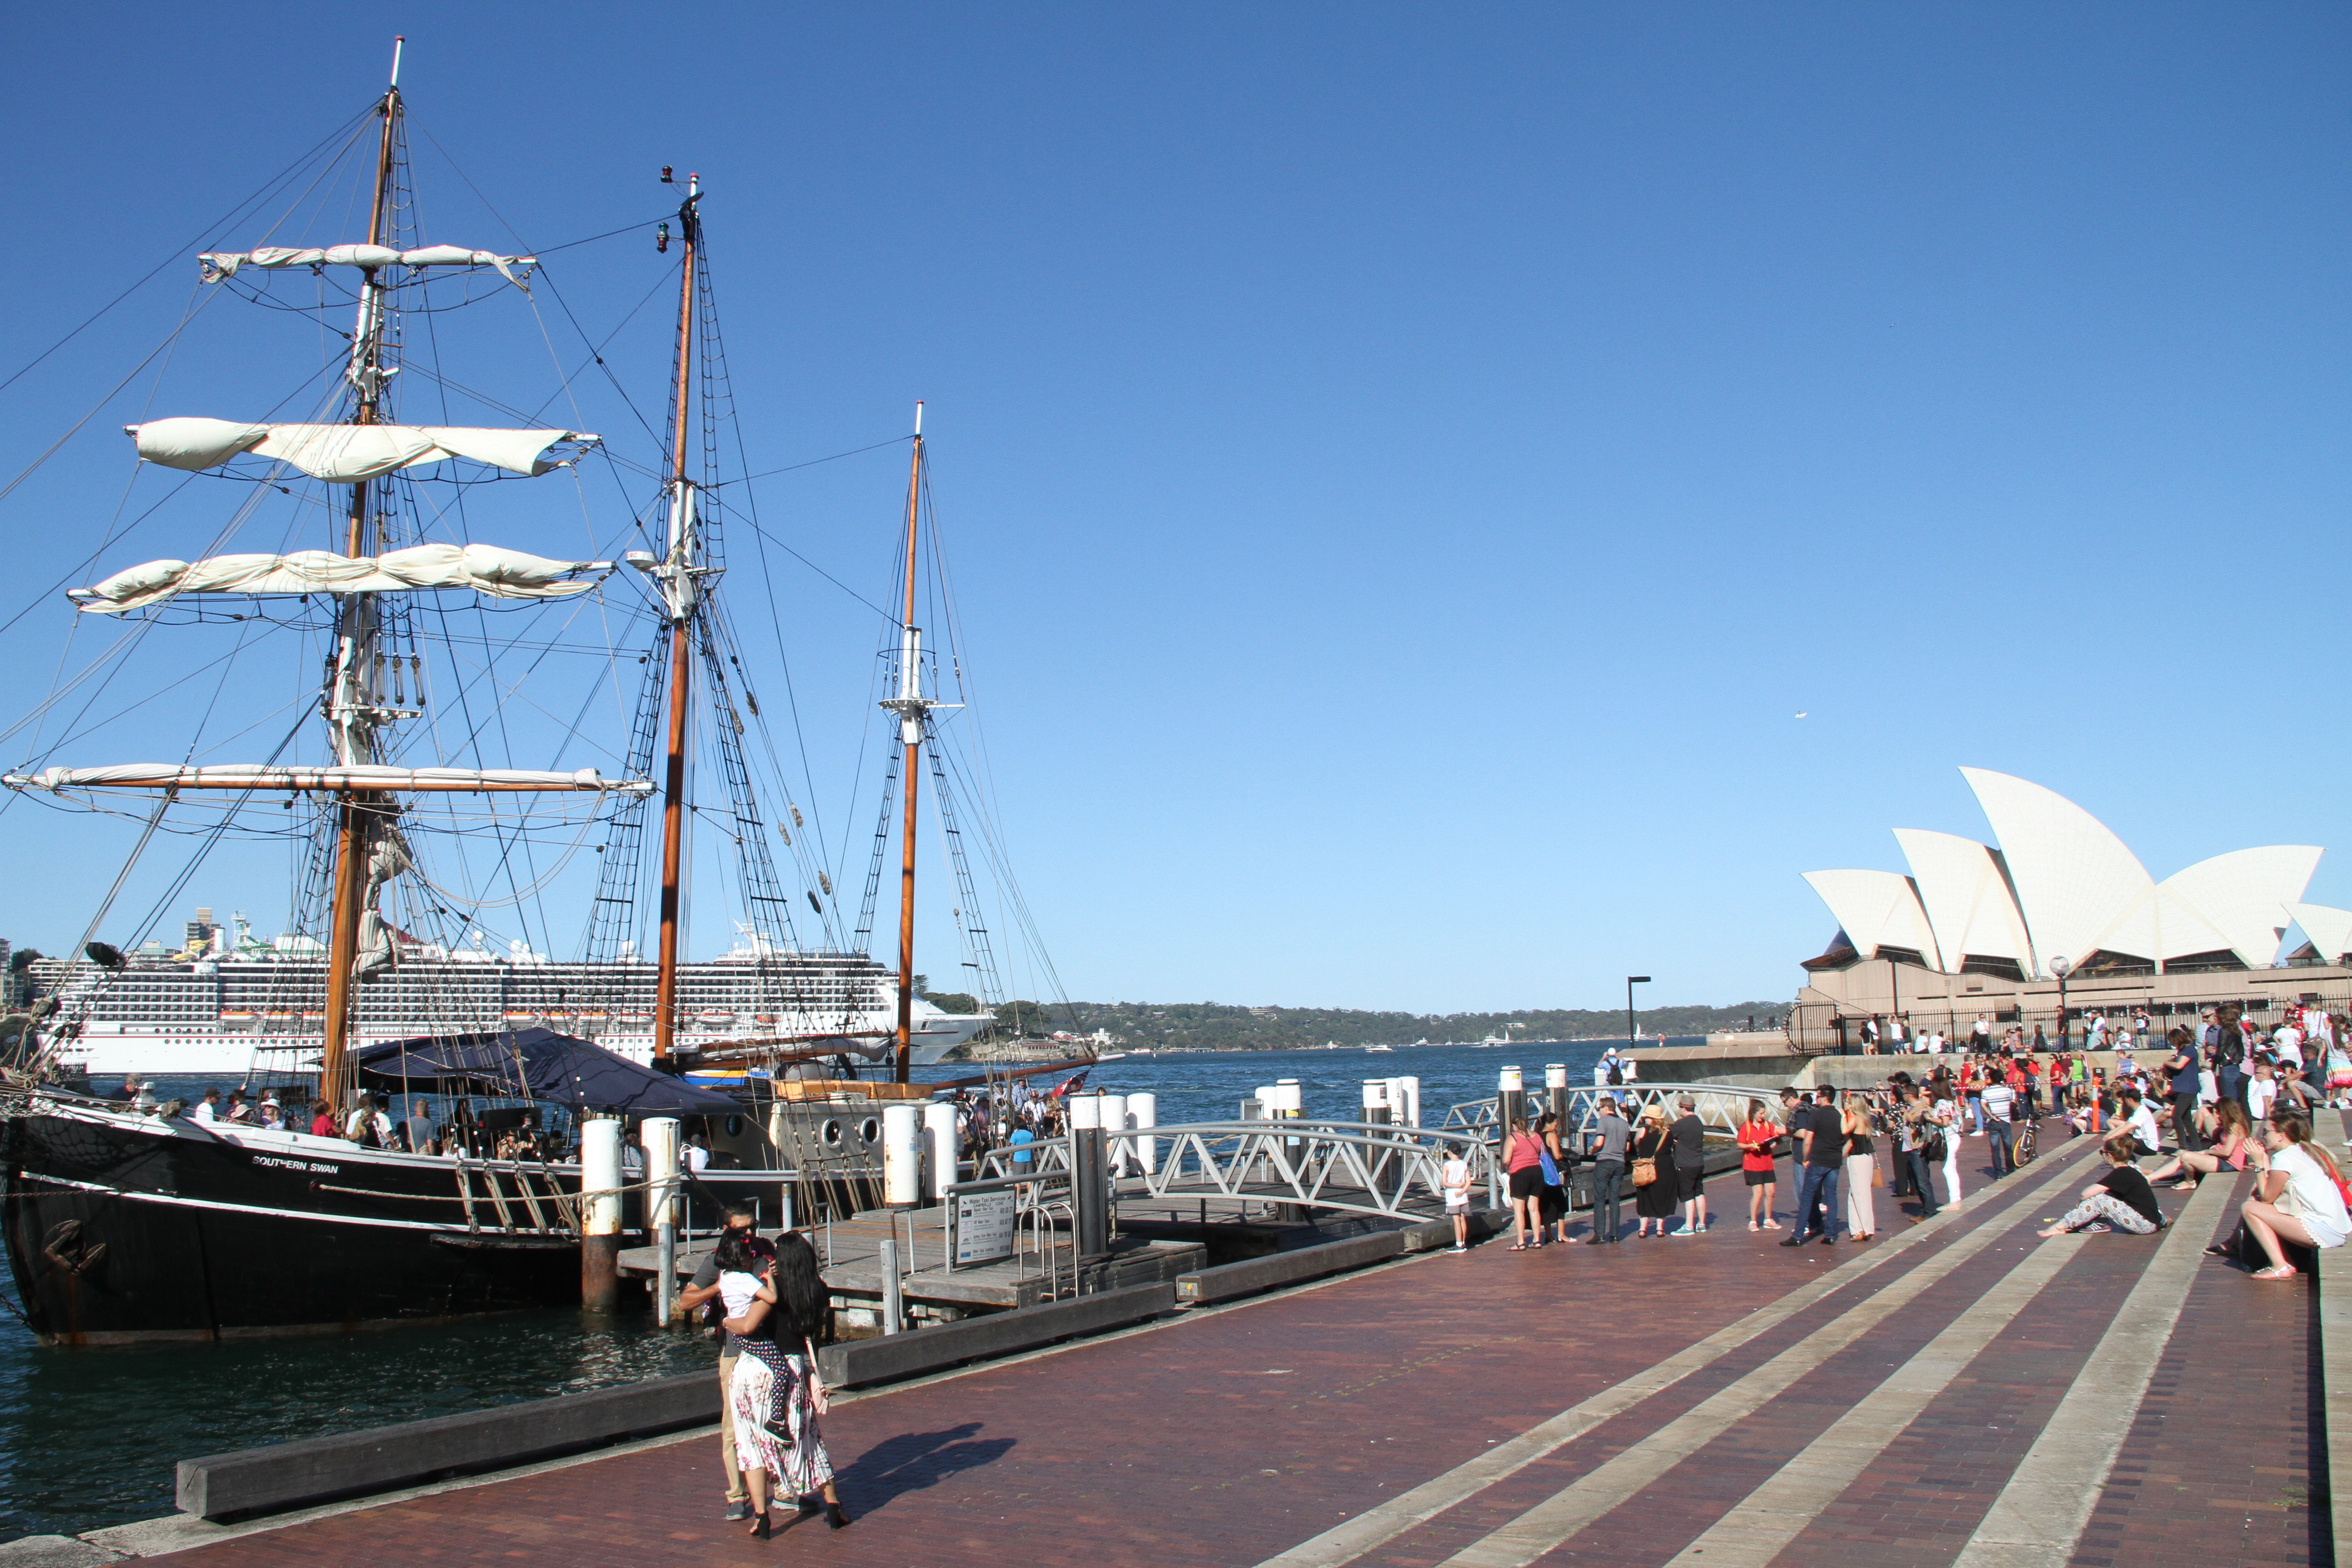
(1403, 469)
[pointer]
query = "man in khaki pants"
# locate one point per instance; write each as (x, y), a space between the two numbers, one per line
(704, 1288)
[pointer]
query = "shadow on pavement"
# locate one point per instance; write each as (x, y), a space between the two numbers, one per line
(914, 1460)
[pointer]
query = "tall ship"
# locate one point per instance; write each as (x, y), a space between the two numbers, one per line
(478, 745)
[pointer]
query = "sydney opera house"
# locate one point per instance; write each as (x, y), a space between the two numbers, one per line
(2057, 901)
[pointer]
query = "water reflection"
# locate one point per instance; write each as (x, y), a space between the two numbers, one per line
(90, 1438)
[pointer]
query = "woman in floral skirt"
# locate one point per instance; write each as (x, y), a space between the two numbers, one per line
(777, 1396)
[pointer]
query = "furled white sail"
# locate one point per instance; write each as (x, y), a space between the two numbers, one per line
(485, 568)
(240, 775)
(374, 954)
(219, 265)
(346, 453)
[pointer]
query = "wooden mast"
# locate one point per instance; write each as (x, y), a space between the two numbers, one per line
(910, 734)
(679, 585)
(351, 697)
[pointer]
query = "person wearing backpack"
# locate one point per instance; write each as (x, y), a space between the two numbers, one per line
(1920, 1143)
(1551, 1204)
(1523, 1158)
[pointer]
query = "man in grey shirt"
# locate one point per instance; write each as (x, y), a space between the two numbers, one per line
(1610, 1135)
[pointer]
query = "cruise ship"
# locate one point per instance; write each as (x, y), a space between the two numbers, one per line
(258, 1009)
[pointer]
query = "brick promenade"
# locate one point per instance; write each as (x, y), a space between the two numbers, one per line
(1874, 1427)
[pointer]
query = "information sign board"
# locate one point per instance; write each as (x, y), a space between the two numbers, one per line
(983, 1227)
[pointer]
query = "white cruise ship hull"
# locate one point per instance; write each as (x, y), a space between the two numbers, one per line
(252, 1021)
(250, 1059)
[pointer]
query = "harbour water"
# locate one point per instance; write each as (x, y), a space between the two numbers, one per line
(90, 1437)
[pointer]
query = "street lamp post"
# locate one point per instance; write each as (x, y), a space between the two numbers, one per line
(2059, 966)
(1632, 1034)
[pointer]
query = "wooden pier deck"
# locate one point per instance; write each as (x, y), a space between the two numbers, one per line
(1163, 1239)
(1956, 1394)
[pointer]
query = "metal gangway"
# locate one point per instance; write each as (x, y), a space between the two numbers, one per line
(1353, 1167)
(1376, 1169)
(1286, 1164)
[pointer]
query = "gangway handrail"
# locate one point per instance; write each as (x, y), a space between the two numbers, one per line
(1719, 1106)
(1393, 1170)
(1357, 1167)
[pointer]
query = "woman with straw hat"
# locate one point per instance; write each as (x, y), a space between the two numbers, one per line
(1654, 1202)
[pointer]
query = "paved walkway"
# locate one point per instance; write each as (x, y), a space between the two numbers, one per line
(1956, 1393)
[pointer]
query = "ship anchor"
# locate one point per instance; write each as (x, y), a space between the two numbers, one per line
(65, 1238)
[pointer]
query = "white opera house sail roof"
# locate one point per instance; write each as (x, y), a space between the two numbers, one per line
(2062, 889)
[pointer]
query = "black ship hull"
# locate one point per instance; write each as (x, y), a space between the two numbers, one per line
(122, 1228)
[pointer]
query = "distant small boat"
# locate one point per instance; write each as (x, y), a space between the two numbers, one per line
(1370, 1049)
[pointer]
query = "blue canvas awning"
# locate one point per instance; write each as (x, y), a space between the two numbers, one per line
(538, 1064)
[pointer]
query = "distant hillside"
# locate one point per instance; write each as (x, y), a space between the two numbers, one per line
(1215, 1025)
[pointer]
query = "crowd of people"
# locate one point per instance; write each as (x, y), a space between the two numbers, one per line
(2225, 1098)
(506, 1133)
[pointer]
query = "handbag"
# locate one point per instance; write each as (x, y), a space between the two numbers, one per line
(1644, 1170)
(1551, 1169)
(818, 1400)
(1877, 1174)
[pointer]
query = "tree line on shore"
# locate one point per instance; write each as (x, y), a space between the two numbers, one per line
(1216, 1026)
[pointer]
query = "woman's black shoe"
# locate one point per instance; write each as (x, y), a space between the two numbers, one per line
(834, 1518)
(762, 1529)
(1796, 1240)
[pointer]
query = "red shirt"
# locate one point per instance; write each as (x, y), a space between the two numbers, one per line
(1756, 1141)
(322, 1125)
(1525, 1152)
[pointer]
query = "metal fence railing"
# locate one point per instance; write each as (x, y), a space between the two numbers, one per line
(1353, 1167)
(1824, 1029)
(1719, 1108)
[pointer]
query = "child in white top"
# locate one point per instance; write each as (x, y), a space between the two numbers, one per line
(2260, 1092)
(740, 1290)
(1454, 1177)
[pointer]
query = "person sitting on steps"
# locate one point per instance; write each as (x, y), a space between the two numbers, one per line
(2120, 1200)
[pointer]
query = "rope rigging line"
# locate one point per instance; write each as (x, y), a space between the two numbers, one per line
(270, 478)
(812, 462)
(888, 615)
(169, 895)
(1012, 905)
(349, 130)
(111, 393)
